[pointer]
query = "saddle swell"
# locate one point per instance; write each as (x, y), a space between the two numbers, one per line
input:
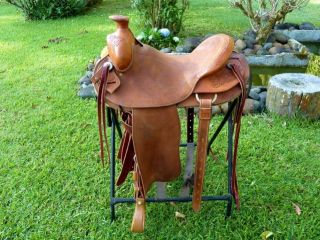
(147, 87)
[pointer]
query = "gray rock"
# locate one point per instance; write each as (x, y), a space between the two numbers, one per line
(278, 45)
(251, 106)
(303, 35)
(267, 46)
(216, 110)
(284, 26)
(277, 50)
(254, 95)
(193, 42)
(271, 39)
(250, 42)
(257, 47)
(307, 26)
(280, 37)
(87, 92)
(278, 60)
(263, 97)
(240, 45)
(250, 34)
(256, 89)
(166, 50)
(86, 79)
(90, 67)
(183, 49)
(248, 51)
(224, 107)
(262, 51)
(298, 47)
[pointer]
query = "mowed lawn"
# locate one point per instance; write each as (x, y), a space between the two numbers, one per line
(52, 185)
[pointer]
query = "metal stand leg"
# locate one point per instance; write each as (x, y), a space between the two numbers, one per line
(230, 156)
(112, 169)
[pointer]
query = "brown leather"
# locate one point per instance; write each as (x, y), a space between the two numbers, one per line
(203, 130)
(147, 86)
(156, 138)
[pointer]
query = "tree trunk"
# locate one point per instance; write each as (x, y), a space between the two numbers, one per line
(294, 94)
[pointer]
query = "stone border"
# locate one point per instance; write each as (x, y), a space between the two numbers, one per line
(302, 35)
(279, 60)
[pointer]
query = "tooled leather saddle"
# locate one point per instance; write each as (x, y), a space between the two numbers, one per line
(146, 87)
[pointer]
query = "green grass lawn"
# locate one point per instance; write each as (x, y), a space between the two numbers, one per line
(51, 183)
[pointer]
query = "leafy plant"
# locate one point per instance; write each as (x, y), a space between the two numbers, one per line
(314, 65)
(161, 13)
(158, 38)
(264, 14)
(45, 9)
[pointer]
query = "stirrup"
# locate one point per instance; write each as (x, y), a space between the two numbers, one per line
(139, 216)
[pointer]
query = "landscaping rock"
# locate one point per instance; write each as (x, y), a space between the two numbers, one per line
(224, 107)
(240, 45)
(256, 90)
(263, 97)
(262, 51)
(251, 106)
(284, 26)
(298, 47)
(86, 79)
(267, 46)
(166, 50)
(250, 42)
(303, 35)
(307, 26)
(216, 110)
(280, 37)
(278, 60)
(271, 39)
(254, 95)
(274, 50)
(248, 51)
(183, 49)
(250, 34)
(277, 45)
(193, 42)
(87, 91)
(257, 47)
(90, 67)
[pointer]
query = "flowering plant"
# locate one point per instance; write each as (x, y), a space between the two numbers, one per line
(158, 38)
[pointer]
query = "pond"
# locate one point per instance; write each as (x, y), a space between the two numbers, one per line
(262, 74)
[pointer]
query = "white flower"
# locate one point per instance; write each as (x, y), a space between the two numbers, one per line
(150, 37)
(165, 32)
(176, 39)
(141, 36)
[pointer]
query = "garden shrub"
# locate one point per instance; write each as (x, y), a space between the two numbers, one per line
(161, 13)
(45, 9)
(314, 65)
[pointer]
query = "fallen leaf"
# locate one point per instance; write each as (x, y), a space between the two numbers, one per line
(45, 46)
(180, 215)
(266, 234)
(297, 209)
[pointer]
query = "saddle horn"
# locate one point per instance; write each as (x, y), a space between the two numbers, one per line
(120, 43)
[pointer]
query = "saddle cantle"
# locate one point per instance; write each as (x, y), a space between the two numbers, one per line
(147, 87)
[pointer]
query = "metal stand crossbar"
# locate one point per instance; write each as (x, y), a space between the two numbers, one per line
(115, 127)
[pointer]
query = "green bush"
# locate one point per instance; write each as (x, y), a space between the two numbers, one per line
(45, 9)
(161, 13)
(314, 65)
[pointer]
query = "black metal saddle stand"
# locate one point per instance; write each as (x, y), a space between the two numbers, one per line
(115, 127)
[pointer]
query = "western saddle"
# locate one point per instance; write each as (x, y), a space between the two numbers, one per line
(146, 87)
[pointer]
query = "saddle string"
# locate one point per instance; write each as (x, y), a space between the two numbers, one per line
(102, 113)
(237, 120)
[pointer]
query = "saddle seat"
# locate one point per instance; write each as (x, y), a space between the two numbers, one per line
(156, 79)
